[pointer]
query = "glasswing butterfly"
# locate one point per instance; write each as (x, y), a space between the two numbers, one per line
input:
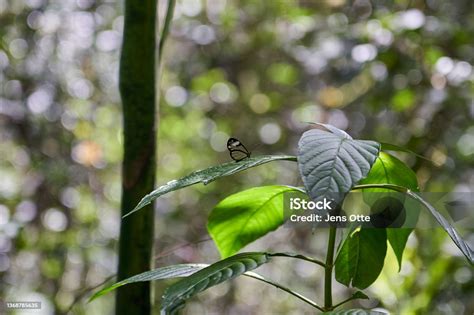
(237, 150)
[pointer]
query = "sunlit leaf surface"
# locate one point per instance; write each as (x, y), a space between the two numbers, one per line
(208, 175)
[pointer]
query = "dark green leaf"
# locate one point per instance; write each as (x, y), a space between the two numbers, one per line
(246, 216)
(184, 270)
(359, 295)
(177, 294)
(168, 272)
(361, 257)
(460, 243)
(398, 237)
(208, 175)
(332, 162)
(390, 170)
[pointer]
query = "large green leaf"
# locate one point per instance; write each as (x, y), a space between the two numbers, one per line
(184, 270)
(168, 272)
(332, 162)
(387, 169)
(457, 239)
(355, 311)
(390, 170)
(177, 294)
(246, 216)
(361, 257)
(208, 175)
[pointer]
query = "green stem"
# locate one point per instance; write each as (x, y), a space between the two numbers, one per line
(166, 27)
(328, 270)
(345, 301)
(137, 91)
(281, 287)
(298, 256)
(386, 186)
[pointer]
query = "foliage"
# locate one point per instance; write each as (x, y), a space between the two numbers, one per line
(168, 272)
(344, 63)
(332, 162)
(224, 270)
(208, 175)
(361, 257)
(247, 216)
(390, 170)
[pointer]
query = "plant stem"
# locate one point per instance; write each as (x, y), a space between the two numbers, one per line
(138, 92)
(345, 301)
(298, 256)
(386, 186)
(328, 270)
(281, 287)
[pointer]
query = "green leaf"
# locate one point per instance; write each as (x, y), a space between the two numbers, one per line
(184, 270)
(246, 216)
(361, 257)
(457, 239)
(398, 238)
(460, 243)
(208, 175)
(177, 294)
(390, 170)
(387, 169)
(355, 311)
(359, 295)
(332, 162)
(168, 272)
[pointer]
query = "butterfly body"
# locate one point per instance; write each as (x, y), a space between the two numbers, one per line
(237, 150)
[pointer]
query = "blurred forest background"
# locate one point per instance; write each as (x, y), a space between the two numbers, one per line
(393, 71)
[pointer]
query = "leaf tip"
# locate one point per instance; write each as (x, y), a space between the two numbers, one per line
(360, 295)
(140, 205)
(94, 296)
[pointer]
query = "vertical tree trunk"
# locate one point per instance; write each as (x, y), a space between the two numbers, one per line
(137, 89)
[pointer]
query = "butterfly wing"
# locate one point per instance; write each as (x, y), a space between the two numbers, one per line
(237, 150)
(238, 155)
